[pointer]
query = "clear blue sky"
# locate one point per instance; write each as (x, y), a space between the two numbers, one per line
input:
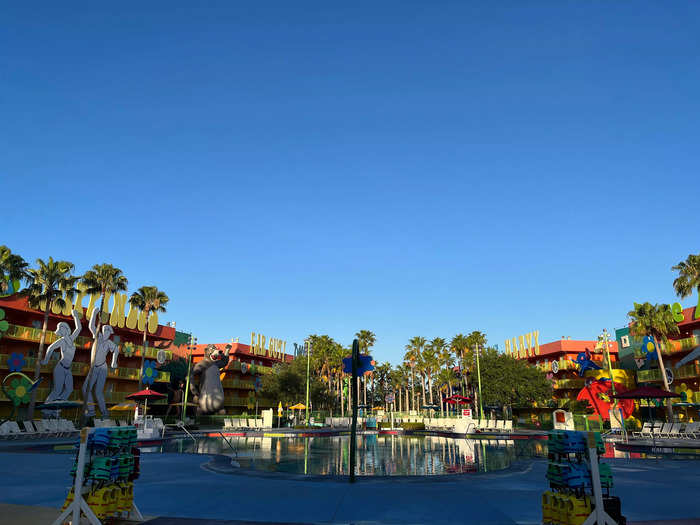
(412, 168)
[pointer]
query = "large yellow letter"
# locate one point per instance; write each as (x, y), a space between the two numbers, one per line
(153, 323)
(91, 305)
(132, 318)
(142, 321)
(117, 317)
(536, 333)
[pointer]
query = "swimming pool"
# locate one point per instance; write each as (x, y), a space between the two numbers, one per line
(377, 455)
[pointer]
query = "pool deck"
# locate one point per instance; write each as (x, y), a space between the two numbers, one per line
(179, 485)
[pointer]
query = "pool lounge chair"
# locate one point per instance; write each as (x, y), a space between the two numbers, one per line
(30, 430)
(227, 423)
(258, 423)
(13, 429)
(508, 425)
(68, 426)
(692, 430)
(500, 425)
(646, 430)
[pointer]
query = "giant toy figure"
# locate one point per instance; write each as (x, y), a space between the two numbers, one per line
(95, 381)
(584, 362)
(205, 383)
(62, 376)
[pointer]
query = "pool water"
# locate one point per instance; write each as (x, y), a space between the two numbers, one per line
(383, 455)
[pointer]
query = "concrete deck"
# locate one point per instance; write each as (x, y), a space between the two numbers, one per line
(177, 485)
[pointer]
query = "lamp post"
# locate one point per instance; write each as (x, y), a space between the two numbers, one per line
(190, 347)
(307, 345)
(478, 376)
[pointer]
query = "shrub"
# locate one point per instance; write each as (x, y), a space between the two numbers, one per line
(413, 426)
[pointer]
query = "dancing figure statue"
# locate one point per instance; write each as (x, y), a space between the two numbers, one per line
(95, 380)
(62, 375)
(205, 383)
(584, 362)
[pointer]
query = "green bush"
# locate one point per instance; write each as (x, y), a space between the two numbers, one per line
(413, 426)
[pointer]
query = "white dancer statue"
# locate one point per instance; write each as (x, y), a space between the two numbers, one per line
(95, 381)
(62, 376)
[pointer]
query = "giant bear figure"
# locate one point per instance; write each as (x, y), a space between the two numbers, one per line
(205, 383)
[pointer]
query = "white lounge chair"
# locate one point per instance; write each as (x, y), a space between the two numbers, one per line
(67, 425)
(13, 428)
(508, 425)
(30, 431)
(500, 425)
(646, 430)
(258, 423)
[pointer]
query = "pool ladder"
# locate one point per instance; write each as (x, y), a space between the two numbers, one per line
(181, 425)
(228, 442)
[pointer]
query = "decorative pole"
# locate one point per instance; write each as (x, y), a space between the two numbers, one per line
(307, 344)
(190, 348)
(353, 389)
(478, 375)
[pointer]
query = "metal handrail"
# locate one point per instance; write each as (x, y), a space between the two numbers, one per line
(181, 425)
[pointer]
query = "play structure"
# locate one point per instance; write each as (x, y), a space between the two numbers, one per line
(103, 474)
(577, 480)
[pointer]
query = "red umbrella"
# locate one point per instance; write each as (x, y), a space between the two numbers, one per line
(145, 395)
(646, 392)
(462, 400)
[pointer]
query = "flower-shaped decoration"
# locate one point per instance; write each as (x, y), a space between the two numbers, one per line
(16, 362)
(128, 349)
(4, 325)
(685, 393)
(36, 325)
(19, 391)
(149, 372)
(258, 384)
(244, 368)
(251, 400)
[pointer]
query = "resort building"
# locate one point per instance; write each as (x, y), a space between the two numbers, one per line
(241, 378)
(20, 333)
(680, 356)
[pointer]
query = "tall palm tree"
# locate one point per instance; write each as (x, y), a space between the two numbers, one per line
(459, 345)
(655, 320)
(688, 276)
(46, 286)
(366, 340)
(105, 280)
(12, 268)
(430, 366)
(148, 299)
(414, 349)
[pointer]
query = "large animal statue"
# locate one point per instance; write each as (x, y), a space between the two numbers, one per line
(584, 362)
(205, 382)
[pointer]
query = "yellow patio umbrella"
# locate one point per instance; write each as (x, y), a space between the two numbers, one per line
(298, 406)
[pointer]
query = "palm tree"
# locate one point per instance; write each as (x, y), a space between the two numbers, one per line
(148, 299)
(105, 280)
(430, 366)
(459, 345)
(46, 286)
(414, 349)
(655, 320)
(366, 340)
(12, 268)
(688, 276)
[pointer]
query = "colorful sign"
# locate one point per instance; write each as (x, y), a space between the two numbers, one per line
(526, 345)
(274, 348)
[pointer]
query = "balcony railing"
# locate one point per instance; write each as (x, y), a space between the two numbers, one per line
(81, 369)
(569, 383)
(25, 333)
(673, 347)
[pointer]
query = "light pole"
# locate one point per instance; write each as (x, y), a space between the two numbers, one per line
(478, 377)
(307, 344)
(190, 347)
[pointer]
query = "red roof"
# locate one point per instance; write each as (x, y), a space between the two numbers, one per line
(570, 346)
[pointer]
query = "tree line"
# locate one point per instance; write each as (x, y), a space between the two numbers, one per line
(49, 281)
(431, 371)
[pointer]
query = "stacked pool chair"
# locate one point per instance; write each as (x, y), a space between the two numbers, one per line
(570, 499)
(110, 472)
